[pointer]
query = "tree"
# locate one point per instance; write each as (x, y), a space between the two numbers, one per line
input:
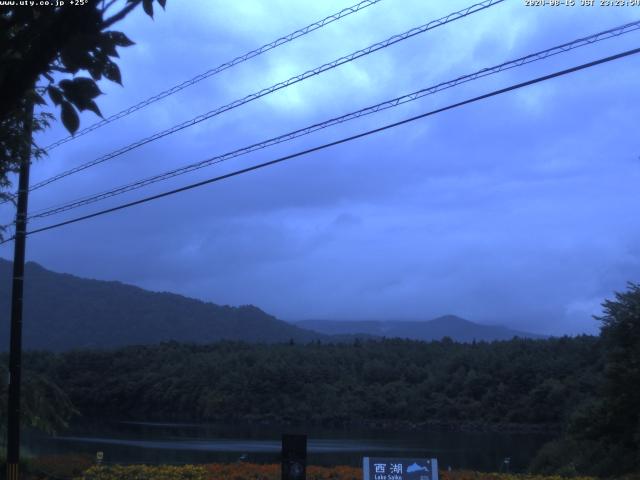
(14, 146)
(52, 45)
(603, 437)
(43, 49)
(619, 425)
(45, 406)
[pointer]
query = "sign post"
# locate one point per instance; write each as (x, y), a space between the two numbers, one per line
(294, 457)
(387, 468)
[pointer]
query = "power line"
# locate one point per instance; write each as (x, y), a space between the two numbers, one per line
(214, 71)
(293, 80)
(606, 34)
(338, 142)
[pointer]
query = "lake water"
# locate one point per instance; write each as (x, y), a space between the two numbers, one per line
(143, 442)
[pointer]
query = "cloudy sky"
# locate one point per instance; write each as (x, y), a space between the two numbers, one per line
(519, 210)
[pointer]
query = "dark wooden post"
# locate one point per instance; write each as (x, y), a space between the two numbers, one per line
(15, 342)
(294, 457)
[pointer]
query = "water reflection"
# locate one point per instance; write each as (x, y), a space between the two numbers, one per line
(143, 442)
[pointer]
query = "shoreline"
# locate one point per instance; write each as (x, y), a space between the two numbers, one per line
(372, 425)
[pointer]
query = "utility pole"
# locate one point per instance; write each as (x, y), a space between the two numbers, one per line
(15, 345)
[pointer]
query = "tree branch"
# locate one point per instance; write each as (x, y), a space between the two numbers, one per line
(120, 15)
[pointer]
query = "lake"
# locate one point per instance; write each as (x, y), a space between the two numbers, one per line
(179, 443)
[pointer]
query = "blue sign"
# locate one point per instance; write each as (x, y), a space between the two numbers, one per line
(384, 468)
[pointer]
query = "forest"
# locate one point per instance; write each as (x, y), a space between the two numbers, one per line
(510, 384)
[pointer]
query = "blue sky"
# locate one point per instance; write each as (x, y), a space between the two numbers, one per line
(518, 210)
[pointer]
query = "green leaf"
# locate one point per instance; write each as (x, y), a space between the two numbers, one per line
(108, 44)
(119, 38)
(76, 55)
(65, 85)
(69, 117)
(162, 3)
(72, 93)
(93, 107)
(147, 6)
(80, 92)
(97, 65)
(55, 95)
(112, 72)
(86, 87)
(95, 72)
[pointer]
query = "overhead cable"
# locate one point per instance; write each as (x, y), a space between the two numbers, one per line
(337, 142)
(220, 68)
(580, 42)
(266, 91)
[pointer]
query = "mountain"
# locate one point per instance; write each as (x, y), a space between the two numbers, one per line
(63, 311)
(456, 328)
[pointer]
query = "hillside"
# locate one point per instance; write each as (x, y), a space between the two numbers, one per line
(64, 311)
(456, 328)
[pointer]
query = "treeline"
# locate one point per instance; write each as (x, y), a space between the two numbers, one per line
(532, 383)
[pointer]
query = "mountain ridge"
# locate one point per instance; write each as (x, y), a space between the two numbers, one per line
(63, 311)
(452, 326)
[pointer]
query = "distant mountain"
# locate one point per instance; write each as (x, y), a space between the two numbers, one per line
(456, 328)
(63, 312)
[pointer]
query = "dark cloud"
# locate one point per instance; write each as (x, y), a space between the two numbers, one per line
(518, 210)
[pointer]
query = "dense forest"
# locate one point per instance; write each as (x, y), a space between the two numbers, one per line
(530, 383)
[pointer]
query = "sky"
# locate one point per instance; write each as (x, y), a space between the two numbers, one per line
(518, 210)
